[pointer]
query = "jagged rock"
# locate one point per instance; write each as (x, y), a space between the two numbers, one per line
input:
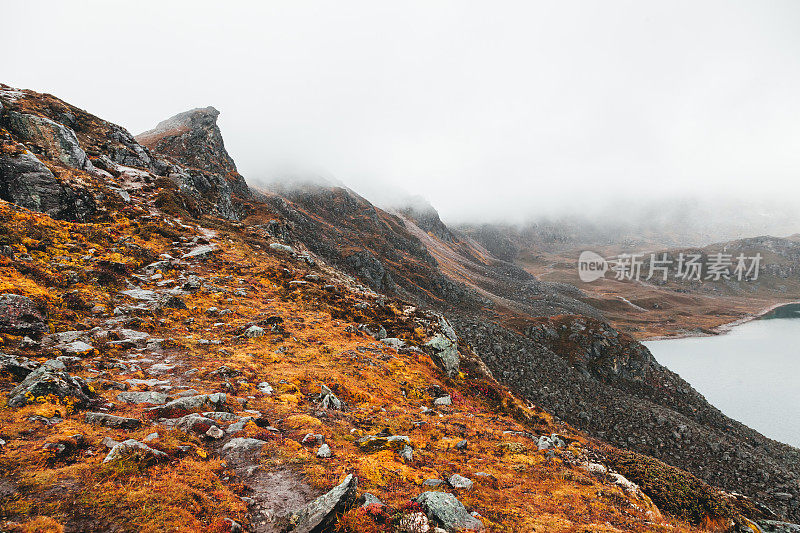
(18, 367)
(112, 421)
(547, 442)
(132, 448)
(460, 482)
(329, 399)
(446, 511)
(265, 388)
(19, 315)
(77, 348)
(27, 182)
(45, 381)
(142, 397)
(321, 514)
(182, 406)
(444, 353)
(461, 445)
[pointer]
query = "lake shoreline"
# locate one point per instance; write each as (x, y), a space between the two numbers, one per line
(723, 328)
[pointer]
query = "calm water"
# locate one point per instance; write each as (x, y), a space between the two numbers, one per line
(751, 374)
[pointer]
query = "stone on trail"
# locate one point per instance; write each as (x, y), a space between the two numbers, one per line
(321, 514)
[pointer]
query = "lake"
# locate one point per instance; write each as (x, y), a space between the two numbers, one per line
(752, 373)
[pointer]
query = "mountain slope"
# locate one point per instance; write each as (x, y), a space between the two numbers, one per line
(168, 367)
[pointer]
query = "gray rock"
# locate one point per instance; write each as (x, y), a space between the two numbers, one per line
(200, 252)
(215, 432)
(460, 482)
(142, 397)
(254, 332)
(442, 401)
(194, 422)
(16, 366)
(393, 342)
(278, 247)
(444, 353)
(132, 448)
(772, 526)
(27, 182)
(58, 141)
(112, 421)
(182, 406)
(369, 499)
(407, 453)
(19, 315)
(446, 511)
(329, 399)
(45, 381)
(320, 515)
(461, 445)
(324, 451)
(77, 348)
(265, 388)
(432, 482)
(242, 446)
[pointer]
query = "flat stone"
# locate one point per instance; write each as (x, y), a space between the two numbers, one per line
(446, 511)
(133, 448)
(142, 397)
(113, 421)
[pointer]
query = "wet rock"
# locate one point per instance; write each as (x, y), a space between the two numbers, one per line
(446, 511)
(45, 381)
(444, 353)
(112, 421)
(321, 514)
(142, 397)
(16, 366)
(19, 315)
(133, 449)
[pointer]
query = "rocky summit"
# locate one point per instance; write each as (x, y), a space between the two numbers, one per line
(181, 352)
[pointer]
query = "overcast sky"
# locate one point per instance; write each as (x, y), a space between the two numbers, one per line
(487, 109)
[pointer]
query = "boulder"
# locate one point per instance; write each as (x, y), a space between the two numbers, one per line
(182, 406)
(57, 141)
(444, 353)
(27, 182)
(113, 421)
(137, 397)
(19, 315)
(16, 366)
(446, 511)
(46, 381)
(460, 482)
(242, 447)
(321, 514)
(133, 449)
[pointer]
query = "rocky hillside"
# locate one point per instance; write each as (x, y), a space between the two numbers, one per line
(176, 356)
